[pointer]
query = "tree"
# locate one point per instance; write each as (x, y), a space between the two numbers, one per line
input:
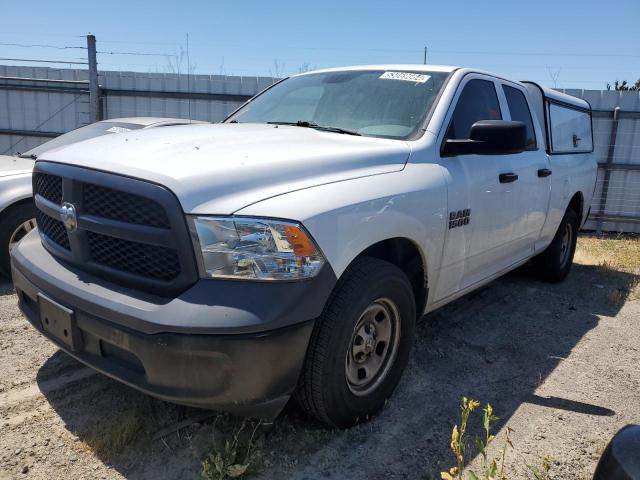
(624, 86)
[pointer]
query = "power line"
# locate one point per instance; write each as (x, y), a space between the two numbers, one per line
(57, 47)
(414, 50)
(137, 43)
(562, 54)
(145, 54)
(42, 61)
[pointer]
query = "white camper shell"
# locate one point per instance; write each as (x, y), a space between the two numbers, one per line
(566, 119)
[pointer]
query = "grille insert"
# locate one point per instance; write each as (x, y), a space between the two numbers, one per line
(122, 206)
(53, 229)
(151, 261)
(129, 231)
(49, 186)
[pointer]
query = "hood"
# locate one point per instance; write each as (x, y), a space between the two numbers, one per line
(219, 169)
(15, 165)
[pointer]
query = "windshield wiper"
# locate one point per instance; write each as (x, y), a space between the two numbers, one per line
(32, 156)
(326, 128)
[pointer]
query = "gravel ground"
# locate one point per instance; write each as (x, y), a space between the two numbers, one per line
(557, 362)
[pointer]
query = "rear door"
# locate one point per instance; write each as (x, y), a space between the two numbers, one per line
(532, 190)
(481, 208)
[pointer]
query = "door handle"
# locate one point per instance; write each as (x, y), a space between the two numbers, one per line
(508, 177)
(544, 172)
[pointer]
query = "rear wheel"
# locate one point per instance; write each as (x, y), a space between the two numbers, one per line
(360, 345)
(15, 222)
(553, 265)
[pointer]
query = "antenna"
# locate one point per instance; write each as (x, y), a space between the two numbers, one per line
(188, 78)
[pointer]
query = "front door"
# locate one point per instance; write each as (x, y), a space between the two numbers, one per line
(482, 211)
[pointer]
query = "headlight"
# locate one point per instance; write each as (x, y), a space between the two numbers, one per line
(253, 248)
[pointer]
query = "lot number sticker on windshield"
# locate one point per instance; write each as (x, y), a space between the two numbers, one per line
(406, 76)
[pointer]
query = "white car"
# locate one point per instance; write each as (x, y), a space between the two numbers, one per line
(16, 206)
(290, 250)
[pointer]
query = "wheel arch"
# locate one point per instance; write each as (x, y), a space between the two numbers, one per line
(23, 201)
(408, 257)
(577, 205)
(15, 190)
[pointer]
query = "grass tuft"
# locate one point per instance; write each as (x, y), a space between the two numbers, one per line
(236, 457)
(612, 254)
(610, 251)
(112, 439)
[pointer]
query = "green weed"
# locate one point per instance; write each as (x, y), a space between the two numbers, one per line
(234, 459)
(121, 431)
(490, 468)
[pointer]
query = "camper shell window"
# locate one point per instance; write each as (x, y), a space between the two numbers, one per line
(570, 129)
(566, 119)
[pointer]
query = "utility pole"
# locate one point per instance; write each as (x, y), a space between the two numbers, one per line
(94, 88)
(189, 77)
(425, 55)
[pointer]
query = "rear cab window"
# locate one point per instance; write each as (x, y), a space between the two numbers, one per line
(520, 112)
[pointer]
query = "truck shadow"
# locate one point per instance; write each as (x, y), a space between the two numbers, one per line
(496, 345)
(6, 287)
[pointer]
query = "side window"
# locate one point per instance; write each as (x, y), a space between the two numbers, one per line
(520, 112)
(478, 101)
(570, 130)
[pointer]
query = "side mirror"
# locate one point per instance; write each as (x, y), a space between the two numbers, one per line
(621, 458)
(489, 137)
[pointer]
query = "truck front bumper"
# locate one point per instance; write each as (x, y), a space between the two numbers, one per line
(228, 345)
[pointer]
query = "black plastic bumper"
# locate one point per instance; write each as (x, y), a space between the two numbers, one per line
(189, 358)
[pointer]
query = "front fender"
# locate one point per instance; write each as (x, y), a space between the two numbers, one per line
(346, 217)
(14, 188)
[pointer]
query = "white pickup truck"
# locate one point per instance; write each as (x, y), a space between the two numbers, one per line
(290, 250)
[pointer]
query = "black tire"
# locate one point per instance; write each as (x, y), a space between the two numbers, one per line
(10, 220)
(323, 389)
(554, 264)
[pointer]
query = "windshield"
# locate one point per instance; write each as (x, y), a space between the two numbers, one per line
(83, 133)
(377, 103)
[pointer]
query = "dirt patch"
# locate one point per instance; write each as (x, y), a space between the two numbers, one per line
(557, 362)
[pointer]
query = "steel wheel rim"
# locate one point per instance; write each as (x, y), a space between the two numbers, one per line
(565, 246)
(19, 233)
(373, 347)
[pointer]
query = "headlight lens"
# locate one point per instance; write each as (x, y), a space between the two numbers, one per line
(251, 248)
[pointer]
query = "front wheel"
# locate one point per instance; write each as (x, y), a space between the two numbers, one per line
(553, 265)
(359, 346)
(15, 222)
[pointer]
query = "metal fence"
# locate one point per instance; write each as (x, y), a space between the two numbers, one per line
(616, 128)
(39, 103)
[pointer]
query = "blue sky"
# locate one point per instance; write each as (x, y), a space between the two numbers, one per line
(568, 44)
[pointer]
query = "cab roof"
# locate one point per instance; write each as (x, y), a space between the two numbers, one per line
(417, 67)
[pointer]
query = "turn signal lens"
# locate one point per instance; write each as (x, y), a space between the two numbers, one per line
(300, 242)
